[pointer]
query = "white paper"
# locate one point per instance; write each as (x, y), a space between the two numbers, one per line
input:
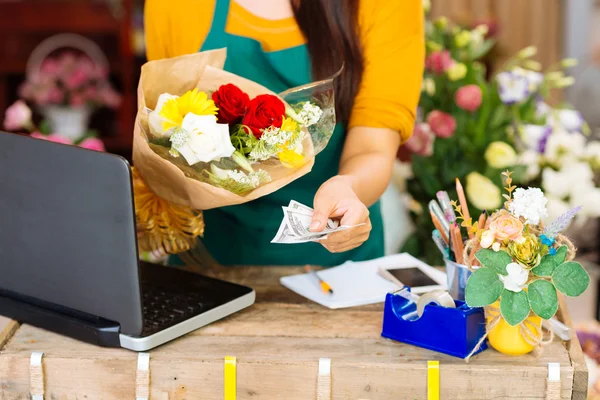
(353, 283)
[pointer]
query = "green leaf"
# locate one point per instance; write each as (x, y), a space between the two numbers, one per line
(514, 306)
(542, 298)
(561, 255)
(482, 50)
(162, 141)
(570, 278)
(496, 260)
(483, 288)
(45, 127)
(546, 267)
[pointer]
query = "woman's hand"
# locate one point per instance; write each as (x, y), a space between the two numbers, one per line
(336, 199)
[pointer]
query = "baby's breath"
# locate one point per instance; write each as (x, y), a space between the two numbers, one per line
(309, 114)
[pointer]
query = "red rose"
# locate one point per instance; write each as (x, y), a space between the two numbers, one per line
(231, 102)
(441, 123)
(264, 111)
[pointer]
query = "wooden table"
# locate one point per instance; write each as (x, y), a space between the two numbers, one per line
(278, 343)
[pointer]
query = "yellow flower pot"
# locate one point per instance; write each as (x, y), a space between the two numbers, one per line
(508, 339)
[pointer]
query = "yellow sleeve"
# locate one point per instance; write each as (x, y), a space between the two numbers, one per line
(393, 42)
(176, 27)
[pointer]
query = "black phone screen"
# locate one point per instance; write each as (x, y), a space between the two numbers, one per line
(412, 277)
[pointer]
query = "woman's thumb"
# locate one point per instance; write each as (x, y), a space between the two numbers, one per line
(323, 206)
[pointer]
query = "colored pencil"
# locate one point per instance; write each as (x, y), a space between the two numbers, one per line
(446, 205)
(457, 243)
(434, 207)
(463, 203)
(322, 284)
(482, 219)
(439, 227)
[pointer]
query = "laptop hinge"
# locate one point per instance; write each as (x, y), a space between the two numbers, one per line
(96, 331)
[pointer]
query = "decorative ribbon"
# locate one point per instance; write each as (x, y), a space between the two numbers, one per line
(142, 377)
(324, 379)
(230, 378)
(553, 383)
(36, 376)
(433, 380)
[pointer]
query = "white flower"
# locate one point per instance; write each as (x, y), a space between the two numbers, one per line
(556, 183)
(534, 79)
(202, 139)
(570, 120)
(247, 181)
(310, 114)
(512, 88)
(573, 177)
(529, 204)
(155, 121)
(536, 136)
(561, 145)
(588, 197)
(542, 109)
(531, 159)
(592, 152)
(516, 278)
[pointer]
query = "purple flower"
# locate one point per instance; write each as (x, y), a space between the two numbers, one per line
(512, 88)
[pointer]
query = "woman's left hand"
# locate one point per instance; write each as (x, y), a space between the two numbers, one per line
(336, 199)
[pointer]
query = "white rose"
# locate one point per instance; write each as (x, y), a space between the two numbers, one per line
(155, 121)
(202, 139)
(516, 278)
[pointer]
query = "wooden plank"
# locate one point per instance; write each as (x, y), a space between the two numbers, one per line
(7, 329)
(580, 371)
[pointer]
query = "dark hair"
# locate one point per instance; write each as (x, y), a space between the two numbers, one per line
(331, 30)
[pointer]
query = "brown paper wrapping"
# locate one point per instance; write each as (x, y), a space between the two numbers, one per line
(176, 76)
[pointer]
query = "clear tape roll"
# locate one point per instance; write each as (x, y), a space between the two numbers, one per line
(439, 297)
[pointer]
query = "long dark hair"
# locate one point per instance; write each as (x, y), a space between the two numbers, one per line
(331, 31)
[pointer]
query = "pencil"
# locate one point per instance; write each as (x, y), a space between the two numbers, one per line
(446, 205)
(322, 284)
(482, 219)
(434, 207)
(463, 204)
(458, 243)
(439, 227)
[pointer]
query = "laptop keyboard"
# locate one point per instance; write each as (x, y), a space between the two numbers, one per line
(163, 308)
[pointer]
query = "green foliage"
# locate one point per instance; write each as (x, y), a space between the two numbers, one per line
(514, 306)
(570, 278)
(549, 262)
(483, 288)
(495, 260)
(542, 298)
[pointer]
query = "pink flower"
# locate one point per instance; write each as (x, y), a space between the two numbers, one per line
(93, 144)
(77, 100)
(507, 227)
(421, 141)
(441, 123)
(50, 67)
(55, 96)
(55, 137)
(26, 90)
(91, 93)
(18, 116)
(78, 78)
(468, 97)
(109, 98)
(438, 62)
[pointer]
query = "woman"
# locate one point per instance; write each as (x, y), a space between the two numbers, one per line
(286, 43)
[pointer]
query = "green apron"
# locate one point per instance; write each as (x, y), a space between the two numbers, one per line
(241, 235)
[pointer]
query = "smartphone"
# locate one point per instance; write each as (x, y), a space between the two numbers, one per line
(420, 278)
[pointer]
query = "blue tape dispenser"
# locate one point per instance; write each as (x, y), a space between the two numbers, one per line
(424, 321)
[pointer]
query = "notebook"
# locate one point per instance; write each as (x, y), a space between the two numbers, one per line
(354, 283)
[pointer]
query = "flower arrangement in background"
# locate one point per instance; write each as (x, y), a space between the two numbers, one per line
(472, 127)
(70, 80)
(18, 117)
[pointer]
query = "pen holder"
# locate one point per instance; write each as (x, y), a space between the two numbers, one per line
(453, 331)
(457, 276)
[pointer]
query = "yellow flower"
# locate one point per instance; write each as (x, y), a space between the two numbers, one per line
(289, 125)
(462, 39)
(433, 46)
(527, 252)
(291, 159)
(457, 71)
(441, 23)
(428, 86)
(193, 101)
(527, 52)
(500, 155)
(482, 192)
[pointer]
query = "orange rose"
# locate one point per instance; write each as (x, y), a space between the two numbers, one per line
(507, 227)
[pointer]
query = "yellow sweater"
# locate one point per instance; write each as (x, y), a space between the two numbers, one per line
(391, 34)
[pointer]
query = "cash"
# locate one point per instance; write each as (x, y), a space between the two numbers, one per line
(295, 227)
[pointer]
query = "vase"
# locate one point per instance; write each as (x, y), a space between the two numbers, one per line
(508, 339)
(69, 122)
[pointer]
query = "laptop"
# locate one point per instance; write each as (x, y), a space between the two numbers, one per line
(69, 259)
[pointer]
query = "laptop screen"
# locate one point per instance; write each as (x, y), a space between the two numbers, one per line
(67, 229)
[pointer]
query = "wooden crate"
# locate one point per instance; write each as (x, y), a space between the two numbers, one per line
(278, 343)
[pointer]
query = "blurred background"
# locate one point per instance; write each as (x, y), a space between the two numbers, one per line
(74, 64)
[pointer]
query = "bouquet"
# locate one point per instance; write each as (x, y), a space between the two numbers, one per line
(207, 138)
(473, 128)
(524, 264)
